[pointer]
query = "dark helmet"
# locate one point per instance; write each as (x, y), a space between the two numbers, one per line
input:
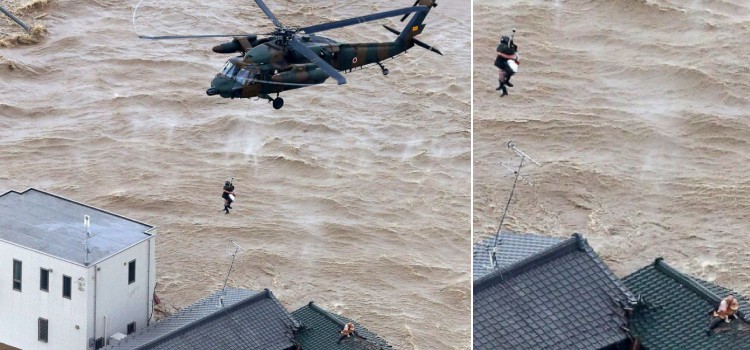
(227, 184)
(504, 39)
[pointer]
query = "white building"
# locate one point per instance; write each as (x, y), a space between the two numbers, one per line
(55, 295)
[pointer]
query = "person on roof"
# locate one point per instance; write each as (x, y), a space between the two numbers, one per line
(727, 309)
(346, 332)
(506, 50)
(228, 196)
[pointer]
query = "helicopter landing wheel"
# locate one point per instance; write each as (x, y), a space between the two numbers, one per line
(278, 103)
(382, 67)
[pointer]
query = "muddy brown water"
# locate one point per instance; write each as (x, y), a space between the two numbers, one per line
(354, 196)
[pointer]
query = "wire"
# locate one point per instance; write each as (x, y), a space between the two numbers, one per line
(135, 30)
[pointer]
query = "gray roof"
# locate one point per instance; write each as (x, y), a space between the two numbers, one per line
(511, 248)
(319, 329)
(564, 297)
(248, 320)
(675, 308)
(54, 225)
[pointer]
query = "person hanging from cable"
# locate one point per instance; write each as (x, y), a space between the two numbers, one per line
(727, 310)
(346, 332)
(506, 52)
(228, 195)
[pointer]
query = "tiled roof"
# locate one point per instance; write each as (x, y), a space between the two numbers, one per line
(564, 297)
(511, 247)
(319, 329)
(677, 308)
(248, 320)
(54, 225)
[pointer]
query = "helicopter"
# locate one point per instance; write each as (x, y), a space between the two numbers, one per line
(295, 57)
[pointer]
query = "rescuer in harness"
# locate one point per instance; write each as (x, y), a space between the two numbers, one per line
(506, 51)
(228, 196)
(727, 310)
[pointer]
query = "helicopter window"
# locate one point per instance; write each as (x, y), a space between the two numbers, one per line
(247, 73)
(242, 76)
(229, 70)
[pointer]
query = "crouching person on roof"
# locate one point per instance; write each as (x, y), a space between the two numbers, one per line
(727, 310)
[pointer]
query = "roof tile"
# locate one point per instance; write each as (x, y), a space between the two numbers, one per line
(563, 297)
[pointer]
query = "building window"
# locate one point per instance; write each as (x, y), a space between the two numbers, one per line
(42, 330)
(16, 275)
(44, 280)
(66, 286)
(131, 272)
(131, 328)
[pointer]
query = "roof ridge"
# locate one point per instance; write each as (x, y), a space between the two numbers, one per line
(325, 314)
(692, 285)
(575, 242)
(11, 191)
(249, 300)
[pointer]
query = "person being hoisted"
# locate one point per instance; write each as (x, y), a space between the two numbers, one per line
(727, 309)
(506, 51)
(228, 196)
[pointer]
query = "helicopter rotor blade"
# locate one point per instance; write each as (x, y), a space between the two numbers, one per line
(363, 19)
(407, 15)
(314, 59)
(268, 13)
(167, 37)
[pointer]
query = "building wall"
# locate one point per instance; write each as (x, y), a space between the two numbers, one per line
(20, 311)
(120, 302)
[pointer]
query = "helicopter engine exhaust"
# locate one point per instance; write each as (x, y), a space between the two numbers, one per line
(235, 45)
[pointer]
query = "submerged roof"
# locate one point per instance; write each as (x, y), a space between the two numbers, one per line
(511, 247)
(54, 225)
(248, 320)
(676, 311)
(319, 329)
(563, 297)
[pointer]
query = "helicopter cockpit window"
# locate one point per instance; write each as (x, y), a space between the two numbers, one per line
(242, 76)
(247, 73)
(229, 70)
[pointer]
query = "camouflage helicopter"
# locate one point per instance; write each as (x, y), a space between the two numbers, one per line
(291, 58)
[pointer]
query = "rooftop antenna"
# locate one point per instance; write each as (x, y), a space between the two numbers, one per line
(517, 173)
(15, 19)
(237, 248)
(87, 226)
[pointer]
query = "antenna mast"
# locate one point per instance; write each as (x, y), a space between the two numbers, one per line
(237, 248)
(15, 19)
(517, 173)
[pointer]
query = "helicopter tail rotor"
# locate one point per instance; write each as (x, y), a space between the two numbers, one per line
(416, 2)
(407, 15)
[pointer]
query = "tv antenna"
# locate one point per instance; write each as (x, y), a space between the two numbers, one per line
(15, 19)
(517, 173)
(87, 226)
(237, 249)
